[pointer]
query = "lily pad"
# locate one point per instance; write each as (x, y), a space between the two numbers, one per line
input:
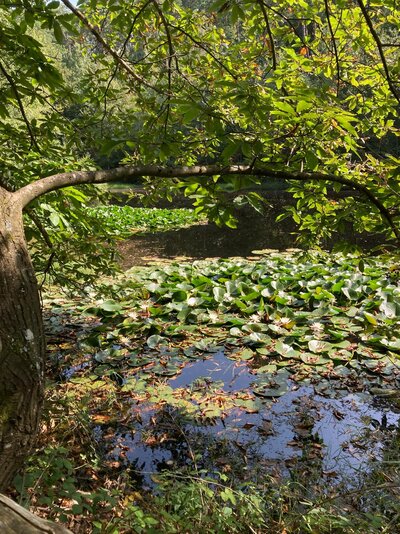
(167, 370)
(271, 386)
(314, 359)
(244, 354)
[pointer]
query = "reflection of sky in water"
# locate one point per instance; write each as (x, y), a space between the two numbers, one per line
(342, 425)
(234, 375)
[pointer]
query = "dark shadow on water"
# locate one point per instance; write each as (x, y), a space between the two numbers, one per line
(254, 232)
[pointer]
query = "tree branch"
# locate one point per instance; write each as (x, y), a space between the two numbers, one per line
(113, 53)
(378, 42)
(26, 194)
(269, 31)
(21, 106)
(207, 50)
(335, 50)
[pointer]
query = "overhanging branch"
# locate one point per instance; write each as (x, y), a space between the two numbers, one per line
(378, 42)
(26, 194)
(113, 53)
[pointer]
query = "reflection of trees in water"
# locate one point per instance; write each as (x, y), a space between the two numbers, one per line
(197, 445)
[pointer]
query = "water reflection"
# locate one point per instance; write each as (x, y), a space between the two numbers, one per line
(332, 438)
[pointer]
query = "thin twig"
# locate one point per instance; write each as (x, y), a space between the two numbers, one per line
(269, 31)
(123, 64)
(207, 50)
(135, 18)
(335, 50)
(290, 23)
(21, 106)
(378, 42)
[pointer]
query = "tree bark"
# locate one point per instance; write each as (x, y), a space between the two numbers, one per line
(124, 174)
(17, 520)
(22, 345)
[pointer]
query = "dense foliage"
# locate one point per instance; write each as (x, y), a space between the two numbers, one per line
(122, 221)
(307, 92)
(306, 87)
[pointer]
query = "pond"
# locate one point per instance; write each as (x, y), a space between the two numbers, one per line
(336, 440)
(278, 366)
(255, 231)
(226, 351)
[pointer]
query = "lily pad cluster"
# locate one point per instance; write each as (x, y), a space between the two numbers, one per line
(333, 321)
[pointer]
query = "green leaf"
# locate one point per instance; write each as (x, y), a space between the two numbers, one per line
(58, 33)
(155, 340)
(303, 105)
(110, 306)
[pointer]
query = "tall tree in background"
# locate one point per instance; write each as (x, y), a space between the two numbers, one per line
(193, 100)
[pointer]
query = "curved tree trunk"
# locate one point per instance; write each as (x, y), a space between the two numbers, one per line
(22, 345)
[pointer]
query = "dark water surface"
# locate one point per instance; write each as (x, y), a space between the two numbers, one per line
(336, 439)
(255, 231)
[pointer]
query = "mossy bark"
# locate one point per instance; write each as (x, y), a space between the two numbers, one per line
(22, 345)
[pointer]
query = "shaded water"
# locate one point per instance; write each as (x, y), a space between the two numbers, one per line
(255, 232)
(336, 439)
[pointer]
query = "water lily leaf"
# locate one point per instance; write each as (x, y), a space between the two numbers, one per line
(219, 294)
(317, 346)
(167, 370)
(324, 388)
(256, 338)
(370, 318)
(102, 370)
(341, 355)
(286, 351)
(245, 354)
(337, 334)
(341, 372)
(248, 405)
(254, 327)
(179, 296)
(139, 361)
(270, 389)
(269, 368)
(277, 329)
(263, 351)
(155, 340)
(208, 345)
(101, 356)
(110, 306)
(235, 331)
(372, 365)
(390, 309)
(314, 359)
(391, 344)
(271, 386)
(342, 345)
